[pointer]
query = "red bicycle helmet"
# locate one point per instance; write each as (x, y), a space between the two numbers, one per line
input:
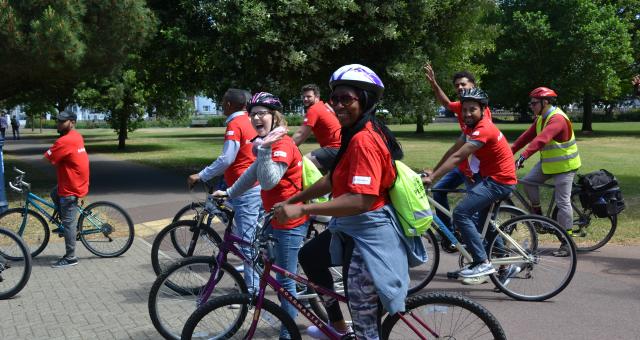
(542, 92)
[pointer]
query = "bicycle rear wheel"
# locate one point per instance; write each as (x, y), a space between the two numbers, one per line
(537, 274)
(230, 317)
(15, 264)
(182, 239)
(421, 275)
(590, 232)
(105, 229)
(36, 231)
(447, 316)
(174, 294)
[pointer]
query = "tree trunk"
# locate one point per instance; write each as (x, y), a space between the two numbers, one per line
(587, 113)
(420, 123)
(122, 129)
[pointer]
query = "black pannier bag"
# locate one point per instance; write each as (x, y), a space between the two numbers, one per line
(600, 193)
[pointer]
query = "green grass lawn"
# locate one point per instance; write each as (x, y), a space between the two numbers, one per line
(613, 146)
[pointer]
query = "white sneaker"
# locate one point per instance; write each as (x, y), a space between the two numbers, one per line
(479, 269)
(316, 333)
(478, 280)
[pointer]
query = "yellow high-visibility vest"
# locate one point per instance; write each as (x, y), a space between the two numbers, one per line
(557, 157)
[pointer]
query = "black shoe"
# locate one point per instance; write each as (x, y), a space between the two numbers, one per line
(65, 262)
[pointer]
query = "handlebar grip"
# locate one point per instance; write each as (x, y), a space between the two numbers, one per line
(14, 188)
(270, 250)
(20, 172)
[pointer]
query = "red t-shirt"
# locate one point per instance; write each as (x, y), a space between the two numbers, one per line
(365, 168)
(324, 124)
(240, 129)
(70, 158)
(285, 151)
(456, 108)
(496, 158)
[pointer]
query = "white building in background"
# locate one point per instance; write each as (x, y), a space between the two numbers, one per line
(205, 106)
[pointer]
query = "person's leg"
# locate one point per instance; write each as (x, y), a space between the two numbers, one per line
(287, 248)
(323, 158)
(450, 180)
(363, 298)
(563, 184)
(68, 218)
(535, 176)
(247, 209)
(315, 260)
(2, 132)
(13, 130)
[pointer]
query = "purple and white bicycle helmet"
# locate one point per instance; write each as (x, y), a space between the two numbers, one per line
(265, 99)
(358, 76)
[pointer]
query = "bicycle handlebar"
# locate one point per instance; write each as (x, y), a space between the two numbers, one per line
(18, 185)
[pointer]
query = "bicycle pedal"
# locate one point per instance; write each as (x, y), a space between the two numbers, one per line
(453, 275)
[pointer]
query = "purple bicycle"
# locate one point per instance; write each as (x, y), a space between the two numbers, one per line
(244, 316)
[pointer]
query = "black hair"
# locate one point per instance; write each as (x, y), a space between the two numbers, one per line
(464, 74)
(368, 102)
(237, 98)
(312, 87)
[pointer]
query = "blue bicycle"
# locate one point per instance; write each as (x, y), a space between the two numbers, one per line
(104, 228)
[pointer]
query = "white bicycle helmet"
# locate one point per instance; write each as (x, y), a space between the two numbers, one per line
(359, 76)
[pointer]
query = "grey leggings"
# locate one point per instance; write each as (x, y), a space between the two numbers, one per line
(563, 183)
(363, 298)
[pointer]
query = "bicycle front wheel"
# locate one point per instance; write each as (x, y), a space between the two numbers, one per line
(182, 239)
(443, 316)
(590, 232)
(15, 264)
(421, 275)
(532, 270)
(231, 316)
(35, 233)
(105, 229)
(174, 294)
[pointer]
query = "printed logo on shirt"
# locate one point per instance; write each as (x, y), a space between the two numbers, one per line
(279, 154)
(300, 163)
(500, 136)
(476, 133)
(305, 120)
(49, 152)
(361, 180)
(230, 133)
(81, 150)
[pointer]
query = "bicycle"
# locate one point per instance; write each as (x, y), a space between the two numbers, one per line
(225, 316)
(522, 247)
(177, 289)
(589, 232)
(104, 228)
(15, 264)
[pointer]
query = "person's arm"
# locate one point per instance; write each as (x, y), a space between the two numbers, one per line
(457, 145)
(269, 172)
(230, 150)
(246, 181)
(348, 204)
(302, 134)
(458, 156)
(437, 90)
(555, 129)
(524, 138)
(317, 189)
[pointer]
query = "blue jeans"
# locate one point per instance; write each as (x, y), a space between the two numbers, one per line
(66, 206)
(287, 248)
(451, 180)
(247, 209)
(478, 200)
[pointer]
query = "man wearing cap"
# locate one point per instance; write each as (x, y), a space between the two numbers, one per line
(71, 161)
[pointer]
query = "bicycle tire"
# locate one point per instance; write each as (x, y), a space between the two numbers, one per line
(179, 240)
(542, 275)
(421, 275)
(174, 294)
(450, 316)
(189, 211)
(593, 232)
(36, 232)
(113, 237)
(15, 264)
(206, 320)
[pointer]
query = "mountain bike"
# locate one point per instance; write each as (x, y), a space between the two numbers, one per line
(522, 249)
(245, 316)
(15, 264)
(589, 232)
(104, 228)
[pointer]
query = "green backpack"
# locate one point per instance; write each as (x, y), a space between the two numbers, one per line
(409, 199)
(310, 175)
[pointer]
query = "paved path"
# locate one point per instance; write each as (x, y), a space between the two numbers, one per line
(107, 298)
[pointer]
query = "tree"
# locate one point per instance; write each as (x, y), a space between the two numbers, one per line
(580, 48)
(49, 47)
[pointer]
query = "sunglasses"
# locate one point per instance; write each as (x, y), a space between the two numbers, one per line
(344, 99)
(260, 114)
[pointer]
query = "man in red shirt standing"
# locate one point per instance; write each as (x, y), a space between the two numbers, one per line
(70, 158)
(321, 120)
(497, 178)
